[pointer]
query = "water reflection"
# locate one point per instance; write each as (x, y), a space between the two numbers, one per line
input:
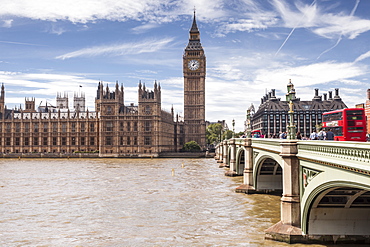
(129, 202)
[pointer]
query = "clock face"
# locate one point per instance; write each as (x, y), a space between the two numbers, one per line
(193, 64)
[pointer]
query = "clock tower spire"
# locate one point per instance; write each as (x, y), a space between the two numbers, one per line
(194, 69)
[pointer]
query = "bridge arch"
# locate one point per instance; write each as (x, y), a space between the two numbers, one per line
(267, 174)
(240, 161)
(337, 208)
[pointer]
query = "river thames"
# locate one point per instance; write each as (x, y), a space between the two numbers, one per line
(129, 202)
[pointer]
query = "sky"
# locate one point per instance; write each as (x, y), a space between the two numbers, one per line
(252, 46)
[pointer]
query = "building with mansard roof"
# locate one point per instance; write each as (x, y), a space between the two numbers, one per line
(271, 118)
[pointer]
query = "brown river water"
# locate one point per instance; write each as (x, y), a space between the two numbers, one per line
(129, 202)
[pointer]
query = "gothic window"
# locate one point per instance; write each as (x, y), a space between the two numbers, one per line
(46, 127)
(128, 141)
(135, 140)
(73, 140)
(26, 141)
(147, 140)
(64, 141)
(45, 141)
(121, 126)
(128, 126)
(82, 141)
(92, 127)
(55, 127)
(82, 127)
(73, 127)
(54, 141)
(147, 126)
(35, 141)
(135, 126)
(17, 127)
(8, 141)
(109, 110)
(92, 141)
(64, 128)
(109, 126)
(108, 140)
(35, 127)
(17, 140)
(8, 127)
(121, 142)
(147, 109)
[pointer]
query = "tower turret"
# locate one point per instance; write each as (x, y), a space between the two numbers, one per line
(2, 98)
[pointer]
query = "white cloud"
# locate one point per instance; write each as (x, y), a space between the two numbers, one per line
(327, 25)
(309, 75)
(362, 57)
(144, 28)
(249, 25)
(333, 26)
(7, 23)
(84, 11)
(146, 46)
(55, 29)
(303, 16)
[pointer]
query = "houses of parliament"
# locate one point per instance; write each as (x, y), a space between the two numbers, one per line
(113, 129)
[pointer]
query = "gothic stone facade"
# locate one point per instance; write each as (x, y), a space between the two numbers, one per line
(113, 129)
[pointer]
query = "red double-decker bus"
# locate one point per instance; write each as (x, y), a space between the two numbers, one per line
(347, 124)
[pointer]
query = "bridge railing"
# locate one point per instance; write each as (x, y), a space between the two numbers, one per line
(348, 155)
(267, 144)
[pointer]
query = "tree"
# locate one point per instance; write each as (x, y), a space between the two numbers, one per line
(241, 133)
(213, 133)
(227, 134)
(192, 146)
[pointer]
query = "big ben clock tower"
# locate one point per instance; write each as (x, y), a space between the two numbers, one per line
(194, 68)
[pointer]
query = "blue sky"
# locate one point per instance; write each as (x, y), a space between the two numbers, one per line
(251, 46)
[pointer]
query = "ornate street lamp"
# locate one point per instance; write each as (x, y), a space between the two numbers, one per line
(291, 127)
(249, 131)
(233, 128)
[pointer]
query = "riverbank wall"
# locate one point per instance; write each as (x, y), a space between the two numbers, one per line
(97, 155)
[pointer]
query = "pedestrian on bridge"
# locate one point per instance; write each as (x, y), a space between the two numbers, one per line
(329, 135)
(321, 135)
(313, 135)
(299, 136)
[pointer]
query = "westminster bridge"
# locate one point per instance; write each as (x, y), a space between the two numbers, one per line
(325, 185)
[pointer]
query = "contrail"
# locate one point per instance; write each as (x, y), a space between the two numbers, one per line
(291, 32)
(19, 43)
(340, 37)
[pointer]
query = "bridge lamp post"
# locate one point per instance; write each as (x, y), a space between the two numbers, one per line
(248, 124)
(291, 127)
(233, 128)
